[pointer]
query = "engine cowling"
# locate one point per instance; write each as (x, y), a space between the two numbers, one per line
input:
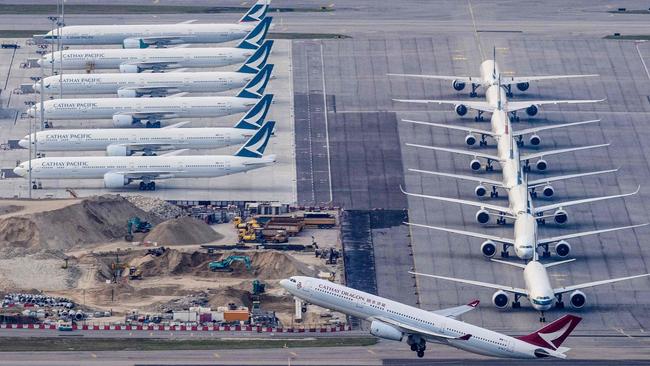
(578, 299)
(134, 43)
(127, 93)
(114, 180)
(523, 86)
(562, 249)
(123, 120)
(488, 248)
(129, 69)
(475, 165)
(541, 164)
(500, 299)
(548, 191)
(532, 110)
(117, 150)
(535, 140)
(383, 330)
(461, 109)
(560, 216)
(458, 85)
(470, 139)
(482, 217)
(480, 190)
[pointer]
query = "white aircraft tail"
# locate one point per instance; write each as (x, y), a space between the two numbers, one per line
(257, 12)
(255, 88)
(256, 36)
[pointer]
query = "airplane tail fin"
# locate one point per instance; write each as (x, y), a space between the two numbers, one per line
(254, 118)
(255, 88)
(258, 59)
(552, 335)
(257, 12)
(256, 36)
(255, 146)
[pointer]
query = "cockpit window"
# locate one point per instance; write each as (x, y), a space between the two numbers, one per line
(292, 280)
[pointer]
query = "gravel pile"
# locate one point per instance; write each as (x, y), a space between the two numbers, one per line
(156, 206)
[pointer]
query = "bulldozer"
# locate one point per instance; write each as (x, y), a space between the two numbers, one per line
(135, 273)
(136, 225)
(224, 264)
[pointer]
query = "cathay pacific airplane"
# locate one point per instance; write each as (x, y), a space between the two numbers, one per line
(396, 321)
(159, 35)
(253, 46)
(119, 171)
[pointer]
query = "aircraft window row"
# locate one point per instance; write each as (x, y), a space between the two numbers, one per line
(411, 317)
(205, 165)
(213, 56)
(491, 341)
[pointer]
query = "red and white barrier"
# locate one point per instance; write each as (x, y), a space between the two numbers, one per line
(184, 328)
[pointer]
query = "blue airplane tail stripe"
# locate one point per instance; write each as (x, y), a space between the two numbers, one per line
(255, 146)
(258, 59)
(255, 117)
(257, 35)
(257, 12)
(255, 88)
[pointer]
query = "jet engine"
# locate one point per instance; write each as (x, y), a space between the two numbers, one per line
(123, 120)
(535, 140)
(127, 93)
(470, 139)
(114, 180)
(482, 216)
(488, 248)
(532, 110)
(560, 216)
(562, 248)
(480, 190)
(131, 69)
(383, 330)
(117, 150)
(134, 43)
(500, 299)
(475, 165)
(458, 85)
(541, 164)
(577, 299)
(461, 109)
(523, 86)
(548, 191)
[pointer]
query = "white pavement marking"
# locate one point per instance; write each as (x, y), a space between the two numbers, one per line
(636, 44)
(327, 134)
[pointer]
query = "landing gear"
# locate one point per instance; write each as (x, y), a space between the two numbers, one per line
(150, 186)
(488, 166)
(479, 117)
(520, 141)
(533, 194)
(514, 117)
(494, 193)
(504, 251)
(542, 318)
(516, 304)
(527, 166)
(473, 93)
(417, 344)
(559, 304)
(546, 253)
(152, 124)
(482, 142)
(501, 220)
(508, 89)
(420, 353)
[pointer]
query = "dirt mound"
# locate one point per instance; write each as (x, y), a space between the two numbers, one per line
(7, 209)
(183, 231)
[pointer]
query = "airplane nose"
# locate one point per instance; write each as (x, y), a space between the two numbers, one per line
(36, 87)
(31, 112)
(285, 284)
(40, 62)
(20, 171)
(24, 142)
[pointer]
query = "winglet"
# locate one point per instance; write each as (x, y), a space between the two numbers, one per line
(257, 12)
(257, 60)
(256, 86)
(474, 303)
(466, 337)
(256, 36)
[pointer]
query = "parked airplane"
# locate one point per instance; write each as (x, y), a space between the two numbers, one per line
(119, 171)
(128, 141)
(159, 35)
(396, 321)
(538, 290)
(130, 112)
(159, 59)
(490, 75)
(152, 84)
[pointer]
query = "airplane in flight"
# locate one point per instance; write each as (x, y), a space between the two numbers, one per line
(128, 141)
(252, 47)
(538, 289)
(154, 84)
(148, 112)
(119, 171)
(396, 321)
(490, 75)
(159, 35)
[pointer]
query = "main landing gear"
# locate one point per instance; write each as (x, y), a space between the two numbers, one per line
(417, 344)
(150, 186)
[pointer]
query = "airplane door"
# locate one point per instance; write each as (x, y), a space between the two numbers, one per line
(511, 346)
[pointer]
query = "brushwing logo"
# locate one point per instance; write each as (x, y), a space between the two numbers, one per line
(255, 117)
(255, 88)
(549, 338)
(256, 36)
(256, 13)
(258, 59)
(255, 147)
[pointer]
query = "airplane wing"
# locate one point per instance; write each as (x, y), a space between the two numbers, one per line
(176, 125)
(151, 146)
(166, 40)
(161, 174)
(175, 152)
(554, 239)
(460, 176)
(150, 89)
(458, 151)
(514, 290)
(539, 182)
(151, 64)
(457, 311)
(478, 105)
(554, 206)
(147, 114)
(498, 239)
(406, 328)
(559, 151)
(464, 79)
(515, 106)
(488, 206)
(452, 127)
(527, 131)
(561, 290)
(527, 79)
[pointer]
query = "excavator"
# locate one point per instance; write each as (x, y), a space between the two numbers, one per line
(136, 225)
(224, 264)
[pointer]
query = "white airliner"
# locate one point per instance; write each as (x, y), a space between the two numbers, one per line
(539, 291)
(142, 36)
(396, 321)
(119, 171)
(253, 46)
(154, 84)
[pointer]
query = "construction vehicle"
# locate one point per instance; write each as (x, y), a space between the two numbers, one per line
(136, 225)
(291, 225)
(135, 273)
(156, 252)
(224, 264)
(258, 287)
(272, 235)
(321, 220)
(330, 255)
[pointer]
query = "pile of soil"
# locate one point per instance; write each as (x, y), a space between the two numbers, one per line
(183, 231)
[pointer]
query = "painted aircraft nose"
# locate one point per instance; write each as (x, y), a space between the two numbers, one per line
(20, 171)
(285, 284)
(37, 87)
(24, 142)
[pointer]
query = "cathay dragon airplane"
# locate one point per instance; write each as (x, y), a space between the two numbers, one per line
(159, 35)
(397, 322)
(156, 84)
(119, 171)
(253, 48)
(539, 291)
